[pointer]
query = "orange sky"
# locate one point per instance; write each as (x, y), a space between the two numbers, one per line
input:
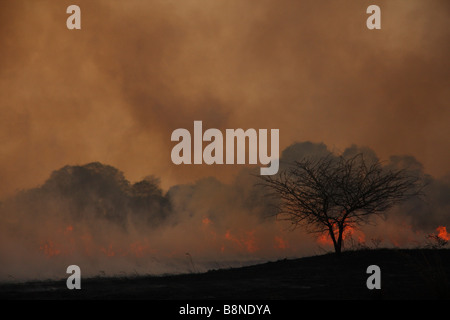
(137, 70)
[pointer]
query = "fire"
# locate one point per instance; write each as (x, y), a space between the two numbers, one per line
(67, 244)
(442, 233)
(353, 232)
(324, 239)
(280, 243)
(208, 228)
(250, 241)
(50, 249)
(109, 252)
(246, 241)
(349, 232)
(206, 221)
(140, 249)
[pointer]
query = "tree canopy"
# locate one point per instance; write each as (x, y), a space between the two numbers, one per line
(331, 193)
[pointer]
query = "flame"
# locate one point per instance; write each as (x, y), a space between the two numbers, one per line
(349, 232)
(207, 226)
(140, 249)
(442, 233)
(246, 241)
(353, 232)
(324, 239)
(206, 221)
(250, 241)
(50, 249)
(109, 252)
(280, 243)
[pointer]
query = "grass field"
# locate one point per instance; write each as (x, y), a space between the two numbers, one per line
(405, 274)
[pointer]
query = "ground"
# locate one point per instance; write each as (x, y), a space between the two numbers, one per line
(405, 274)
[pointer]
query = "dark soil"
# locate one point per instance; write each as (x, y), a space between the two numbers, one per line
(405, 274)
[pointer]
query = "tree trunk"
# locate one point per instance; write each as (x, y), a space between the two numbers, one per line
(337, 243)
(338, 247)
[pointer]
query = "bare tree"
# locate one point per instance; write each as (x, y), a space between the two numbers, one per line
(329, 194)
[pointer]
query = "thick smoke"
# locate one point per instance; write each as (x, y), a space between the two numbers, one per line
(92, 216)
(137, 70)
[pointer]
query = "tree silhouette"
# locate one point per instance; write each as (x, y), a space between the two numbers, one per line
(97, 190)
(330, 194)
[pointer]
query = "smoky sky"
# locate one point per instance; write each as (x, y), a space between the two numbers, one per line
(137, 70)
